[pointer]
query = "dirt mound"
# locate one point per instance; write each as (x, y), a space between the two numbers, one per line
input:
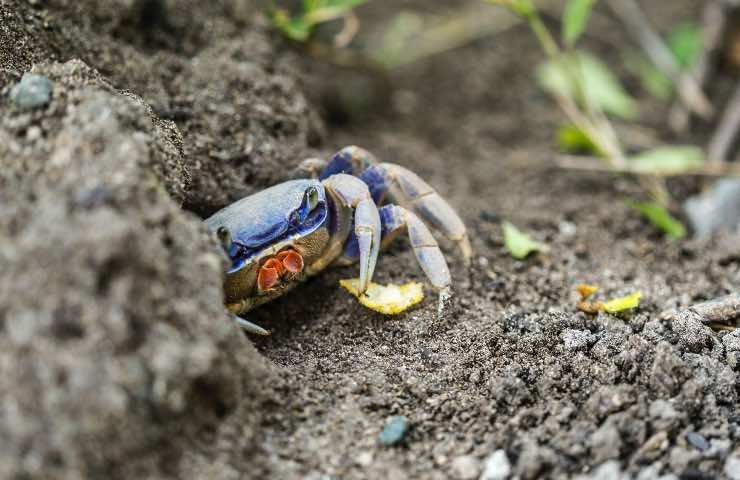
(118, 359)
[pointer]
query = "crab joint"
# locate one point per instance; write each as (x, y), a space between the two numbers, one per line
(287, 261)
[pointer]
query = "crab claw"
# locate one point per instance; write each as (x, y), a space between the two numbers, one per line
(269, 275)
(291, 261)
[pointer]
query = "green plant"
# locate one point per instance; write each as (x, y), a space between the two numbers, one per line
(589, 94)
(684, 42)
(299, 27)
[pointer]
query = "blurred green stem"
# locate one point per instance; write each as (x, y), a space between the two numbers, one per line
(592, 121)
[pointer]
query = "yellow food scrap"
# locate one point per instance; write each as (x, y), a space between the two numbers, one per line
(585, 290)
(387, 299)
(613, 306)
(623, 303)
(592, 308)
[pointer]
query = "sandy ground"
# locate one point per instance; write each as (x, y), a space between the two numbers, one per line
(117, 359)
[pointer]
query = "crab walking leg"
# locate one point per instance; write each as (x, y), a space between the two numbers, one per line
(407, 189)
(351, 192)
(238, 308)
(426, 249)
(350, 160)
(251, 327)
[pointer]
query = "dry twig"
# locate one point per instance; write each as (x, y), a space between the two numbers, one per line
(714, 26)
(688, 89)
(592, 164)
(726, 132)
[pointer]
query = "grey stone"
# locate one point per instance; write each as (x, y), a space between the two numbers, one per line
(465, 467)
(718, 207)
(496, 466)
(732, 467)
(606, 471)
(33, 91)
(698, 441)
(394, 430)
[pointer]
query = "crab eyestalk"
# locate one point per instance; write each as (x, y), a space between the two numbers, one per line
(224, 236)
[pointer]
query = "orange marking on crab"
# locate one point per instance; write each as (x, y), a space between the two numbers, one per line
(291, 260)
(287, 261)
(269, 275)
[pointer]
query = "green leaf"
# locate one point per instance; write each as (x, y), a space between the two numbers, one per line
(575, 18)
(685, 41)
(572, 139)
(519, 244)
(668, 160)
(293, 28)
(524, 8)
(623, 303)
(326, 10)
(653, 80)
(346, 4)
(659, 216)
(581, 74)
(299, 28)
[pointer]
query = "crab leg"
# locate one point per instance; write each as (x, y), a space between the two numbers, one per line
(405, 188)
(401, 186)
(351, 192)
(350, 160)
(395, 219)
(250, 327)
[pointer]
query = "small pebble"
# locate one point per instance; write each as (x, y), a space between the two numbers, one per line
(394, 430)
(465, 467)
(732, 468)
(497, 466)
(32, 91)
(489, 216)
(698, 441)
(364, 458)
(567, 229)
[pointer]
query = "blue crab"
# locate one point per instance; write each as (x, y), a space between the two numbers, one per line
(349, 209)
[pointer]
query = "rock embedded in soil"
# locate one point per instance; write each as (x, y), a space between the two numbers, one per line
(606, 471)
(698, 441)
(465, 467)
(496, 466)
(33, 91)
(732, 467)
(394, 430)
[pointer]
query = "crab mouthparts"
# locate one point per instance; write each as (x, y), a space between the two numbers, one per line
(283, 264)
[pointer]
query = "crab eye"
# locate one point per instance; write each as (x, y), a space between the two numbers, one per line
(224, 236)
(312, 196)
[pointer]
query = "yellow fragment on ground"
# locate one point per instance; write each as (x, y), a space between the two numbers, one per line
(387, 299)
(585, 290)
(613, 306)
(623, 303)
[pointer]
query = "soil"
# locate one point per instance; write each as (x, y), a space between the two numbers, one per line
(118, 360)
